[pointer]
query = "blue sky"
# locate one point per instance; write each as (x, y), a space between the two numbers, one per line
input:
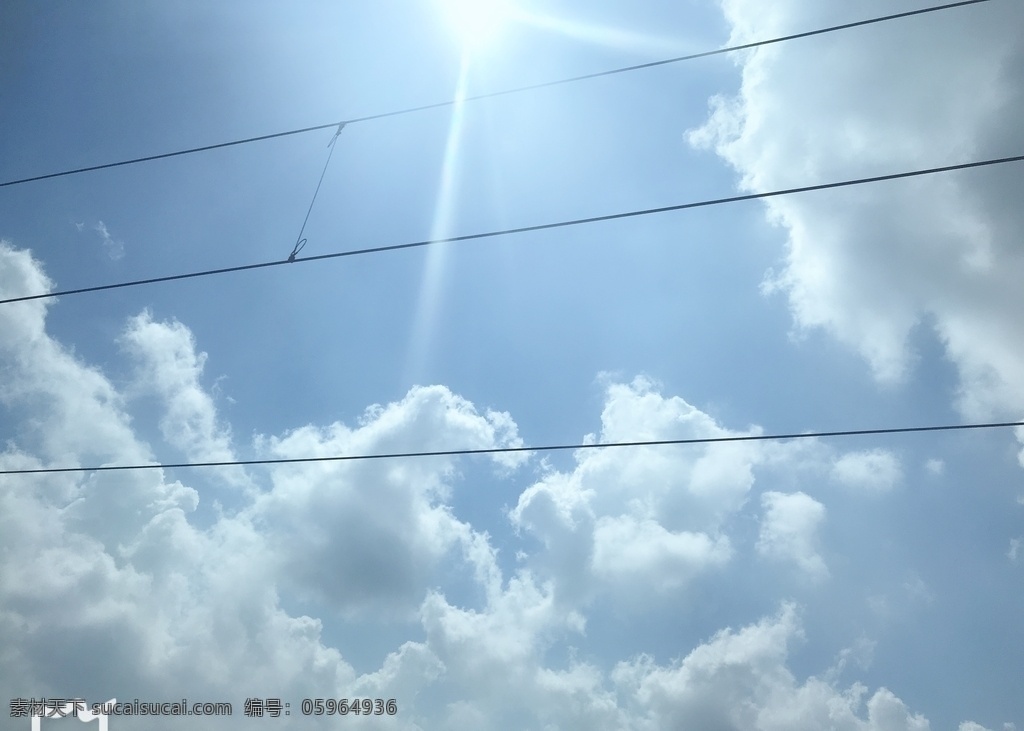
(868, 583)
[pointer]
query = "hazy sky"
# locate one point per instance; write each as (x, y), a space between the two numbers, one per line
(857, 584)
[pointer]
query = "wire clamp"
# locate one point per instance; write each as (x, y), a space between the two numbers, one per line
(298, 247)
(341, 126)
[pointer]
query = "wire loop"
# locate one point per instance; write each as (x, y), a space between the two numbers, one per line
(298, 247)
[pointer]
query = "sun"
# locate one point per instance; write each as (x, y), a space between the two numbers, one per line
(476, 23)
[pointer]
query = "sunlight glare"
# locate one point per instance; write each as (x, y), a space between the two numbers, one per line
(476, 22)
(431, 295)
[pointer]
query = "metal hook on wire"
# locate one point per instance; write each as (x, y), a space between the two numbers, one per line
(301, 242)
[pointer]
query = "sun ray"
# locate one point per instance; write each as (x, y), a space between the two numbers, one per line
(479, 24)
(607, 36)
(428, 304)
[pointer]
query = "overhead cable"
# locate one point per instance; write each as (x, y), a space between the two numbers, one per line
(513, 450)
(522, 229)
(299, 241)
(504, 92)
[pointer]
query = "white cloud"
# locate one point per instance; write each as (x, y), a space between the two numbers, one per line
(69, 414)
(98, 568)
(875, 469)
(1014, 551)
(739, 680)
(935, 467)
(789, 530)
(644, 554)
(632, 517)
(109, 587)
(21, 275)
(971, 726)
(169, 366)
(106, 583)
(477, 666)
(113, 247)
(871, 263)
(861, 653)
(367, 535)
(917, 590)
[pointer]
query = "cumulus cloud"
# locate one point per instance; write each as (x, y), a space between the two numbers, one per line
(70, 411)
(20, 275)
(107, 583)
(870, 264)
(104, 581)
(643, 516)
(739, 680)
(736, 679)
(789, 530)
(169, 367)
(109, 586)
(366, 535)
(875, 469)
(644, 554)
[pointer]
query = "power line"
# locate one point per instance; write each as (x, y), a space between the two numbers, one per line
(511, 450)
(299, 241)
(505, 92)
(523, 229)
